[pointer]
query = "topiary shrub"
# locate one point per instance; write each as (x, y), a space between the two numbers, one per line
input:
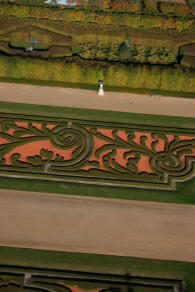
(125, 52)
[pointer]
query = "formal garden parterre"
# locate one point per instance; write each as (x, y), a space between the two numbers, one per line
(143, 45)
(81, 150)
(96, 153)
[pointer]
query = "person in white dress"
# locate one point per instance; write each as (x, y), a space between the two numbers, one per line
(101, 88)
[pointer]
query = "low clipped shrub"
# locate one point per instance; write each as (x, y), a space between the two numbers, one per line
(22, 46)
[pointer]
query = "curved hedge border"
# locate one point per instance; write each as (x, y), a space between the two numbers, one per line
(73, 153)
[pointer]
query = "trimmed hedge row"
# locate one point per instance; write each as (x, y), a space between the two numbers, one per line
(148, 6)
(151, 6)
(89, 72)
(100, 17)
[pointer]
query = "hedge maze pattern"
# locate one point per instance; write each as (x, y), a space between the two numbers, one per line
(98, 153)
(19, 279)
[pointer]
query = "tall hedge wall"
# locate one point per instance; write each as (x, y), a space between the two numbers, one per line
(116, 74)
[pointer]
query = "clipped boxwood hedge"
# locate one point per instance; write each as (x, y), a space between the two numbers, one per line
(22, 46)
(132, 20)
(77, 71)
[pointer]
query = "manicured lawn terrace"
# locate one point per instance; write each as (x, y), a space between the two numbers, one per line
(57, 262)
(183, 194)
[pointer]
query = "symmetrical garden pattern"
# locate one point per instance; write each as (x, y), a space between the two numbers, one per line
(19, 279)
(81, 151)
(49, 44)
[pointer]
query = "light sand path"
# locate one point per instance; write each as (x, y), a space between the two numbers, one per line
(112, 101)
(97, 225)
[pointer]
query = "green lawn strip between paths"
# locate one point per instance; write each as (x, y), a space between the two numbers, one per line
(96, 115)
(93, 263)
(183, 195)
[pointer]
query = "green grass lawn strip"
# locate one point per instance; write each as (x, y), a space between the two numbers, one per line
(99, 264)
(183, 195)
(96, 115)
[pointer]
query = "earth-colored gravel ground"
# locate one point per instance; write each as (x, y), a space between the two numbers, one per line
(97, 225)
(112, 101)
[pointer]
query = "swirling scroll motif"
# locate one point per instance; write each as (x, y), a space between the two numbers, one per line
(169, 161)
(102, 154)
(72, 137)
(173, 160)
(64, 137)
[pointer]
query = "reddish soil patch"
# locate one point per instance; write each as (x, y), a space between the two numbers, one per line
(143, 164)
(34, 148)
(123, 135)
(3, 141)
(159, 147)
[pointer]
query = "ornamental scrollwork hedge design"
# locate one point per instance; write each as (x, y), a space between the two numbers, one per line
(65, 137)
(96, 153)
